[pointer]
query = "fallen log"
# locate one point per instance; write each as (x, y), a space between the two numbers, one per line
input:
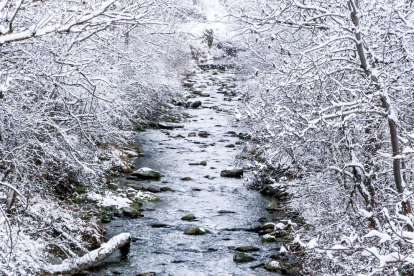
(74, 265)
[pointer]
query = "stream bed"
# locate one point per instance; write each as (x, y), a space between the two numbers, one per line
(222, 205)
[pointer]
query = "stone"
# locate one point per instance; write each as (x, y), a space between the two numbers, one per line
(147, 173)
(117, 272)
(83, 272)
(203, 163)
(106, 218)
(153, 189)
(273, 206)
(196, 104)
(113, 186)
(192, 134)
(166, 189)
(203, 134)
(160, 225)
(204, 94)
(268, 191)
(194, 164)
(226, 212)
(240, 257)
(230, 146)
(187, 178)
(232, 173)
(135, 186)
(273, 266)
(195, 231)
(130, 212)
(189, 217)
(169, 126)
(268, 238)
(247, 249)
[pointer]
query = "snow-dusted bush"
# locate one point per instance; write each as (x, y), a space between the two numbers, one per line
(76, 78)
(328, 95)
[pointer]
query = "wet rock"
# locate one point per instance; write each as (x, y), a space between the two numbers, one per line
(153, 189)
(268, 238)
(146, 274)
(203, 134)
(160, 225)
(83, 272)
(203, 163)
(135, 186)
(147, 173)
(230, 146)
(187, 178)
(232, 173)
(226, 212)
(196, 104)
(166, 189)
(169, 126)
(247, 249)
(150, 209)
(273, 266)
(204, 94)
(268, 191)
(195, 231)
(106, 218)
(113, 186)
(257, 266)
(117, 272)
(130, 212)
(192, 134)
(194, 164)
(189, 217)
(273, 206)
(262, 220)
(242, 258)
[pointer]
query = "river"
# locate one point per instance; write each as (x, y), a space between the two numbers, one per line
(223, 206)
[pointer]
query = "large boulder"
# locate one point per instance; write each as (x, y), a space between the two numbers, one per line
(147, 173)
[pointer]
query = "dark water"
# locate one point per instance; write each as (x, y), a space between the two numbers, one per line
(167, 251)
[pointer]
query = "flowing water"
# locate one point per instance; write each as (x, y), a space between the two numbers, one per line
(167, 251)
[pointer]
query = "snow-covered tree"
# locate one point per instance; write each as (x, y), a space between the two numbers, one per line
(329, 97)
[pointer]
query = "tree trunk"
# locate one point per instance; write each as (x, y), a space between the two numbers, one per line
(385, 104)
(74, 265)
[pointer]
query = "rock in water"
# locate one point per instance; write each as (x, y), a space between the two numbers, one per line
(153, 189)
(147, 173)
(232, 173)
(273, 266)
(130, 212)
(169, 125)
(247, 248)
(195, 231)
(242, 258)
(188, 217)
(196, 104)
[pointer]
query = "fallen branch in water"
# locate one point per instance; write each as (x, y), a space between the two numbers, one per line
(73, 265)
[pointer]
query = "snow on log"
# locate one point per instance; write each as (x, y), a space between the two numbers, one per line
(73, 265)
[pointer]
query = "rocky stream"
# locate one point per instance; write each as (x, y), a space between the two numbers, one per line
(205, 223)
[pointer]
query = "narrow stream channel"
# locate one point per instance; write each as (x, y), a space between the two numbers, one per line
(223, 206)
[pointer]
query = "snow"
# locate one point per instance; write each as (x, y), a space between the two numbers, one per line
(91, 257)
(109, 199)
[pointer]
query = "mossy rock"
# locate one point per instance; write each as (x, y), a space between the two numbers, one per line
(189, 217)
(268, 238)
(195, 231)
